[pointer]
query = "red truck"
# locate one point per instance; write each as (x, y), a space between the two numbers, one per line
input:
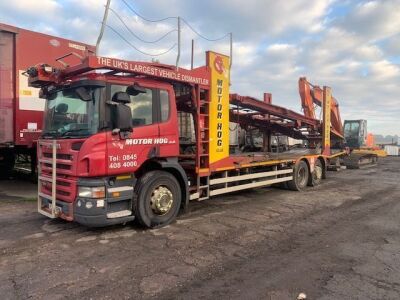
(21, 110)
(110, 151)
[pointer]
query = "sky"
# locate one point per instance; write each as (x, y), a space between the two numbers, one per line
(351, 46)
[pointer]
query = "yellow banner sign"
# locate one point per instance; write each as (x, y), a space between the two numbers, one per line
(219, 106)
(326, 134)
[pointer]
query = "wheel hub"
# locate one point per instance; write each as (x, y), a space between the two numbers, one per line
(161, 200)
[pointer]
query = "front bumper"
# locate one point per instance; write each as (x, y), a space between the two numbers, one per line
(115, 208)
(108, 213)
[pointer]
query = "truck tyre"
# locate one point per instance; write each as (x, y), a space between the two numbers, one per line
(316, 175)
(158, 199)
(300, 177)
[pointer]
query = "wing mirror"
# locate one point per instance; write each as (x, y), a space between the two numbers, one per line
(121, 114)
(135, 90)
(121, 97)
(122, 118)
(83, 93)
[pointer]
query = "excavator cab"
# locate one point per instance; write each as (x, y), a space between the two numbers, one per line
(355, 133)
(355, 136)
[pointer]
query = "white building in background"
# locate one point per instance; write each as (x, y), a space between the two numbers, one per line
(392, 150)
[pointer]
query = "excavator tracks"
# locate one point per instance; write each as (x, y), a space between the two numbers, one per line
(360, 160)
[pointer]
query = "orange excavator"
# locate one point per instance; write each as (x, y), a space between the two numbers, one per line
(353, 134)
(312, 95)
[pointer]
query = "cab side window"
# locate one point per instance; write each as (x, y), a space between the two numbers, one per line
(142, 108)
(141, 105)
(147, 108)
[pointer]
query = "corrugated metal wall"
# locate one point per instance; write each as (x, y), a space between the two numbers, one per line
(6, 87)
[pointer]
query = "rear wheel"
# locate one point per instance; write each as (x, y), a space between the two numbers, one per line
(300, 177)
(158, 199)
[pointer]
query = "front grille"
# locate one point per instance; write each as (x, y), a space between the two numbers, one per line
(58, 156)
(65, 188)
(63, 193)
(59, 166)
(63, 183)
(64, 169)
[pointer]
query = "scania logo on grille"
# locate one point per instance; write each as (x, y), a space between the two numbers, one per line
(50, 146)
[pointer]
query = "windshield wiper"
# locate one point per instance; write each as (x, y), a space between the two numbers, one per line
(50, 133)
(68, 132)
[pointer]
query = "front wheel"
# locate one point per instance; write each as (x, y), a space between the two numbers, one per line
(300, 177)
(158, 199)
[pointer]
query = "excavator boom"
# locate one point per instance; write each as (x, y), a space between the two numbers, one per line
(312, 95)
(353, 136)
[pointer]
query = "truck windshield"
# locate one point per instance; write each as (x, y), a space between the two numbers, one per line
(72, 112)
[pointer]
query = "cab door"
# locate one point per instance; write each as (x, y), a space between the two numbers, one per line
(127, 152)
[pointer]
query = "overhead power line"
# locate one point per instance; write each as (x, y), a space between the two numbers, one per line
(148, 20)
(179, 19)
(202, 36)
(136, 36)
(137, 49)
(186, 22)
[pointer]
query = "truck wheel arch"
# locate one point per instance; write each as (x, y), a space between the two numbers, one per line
(172, 166)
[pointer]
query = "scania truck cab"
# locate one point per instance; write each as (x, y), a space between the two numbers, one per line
(106, 128)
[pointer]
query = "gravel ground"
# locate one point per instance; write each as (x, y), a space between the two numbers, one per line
(340, 240)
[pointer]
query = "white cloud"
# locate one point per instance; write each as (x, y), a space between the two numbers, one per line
(42, 13)
(31, 8)
(374, 20)
(384, 70)
(244, 55)
(392, 46)
(280, 47)
(368, 53)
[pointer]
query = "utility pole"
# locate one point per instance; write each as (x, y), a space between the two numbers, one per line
(191, 60)
(179, 42)
(103, 25)
(230, 55)
(230, 49)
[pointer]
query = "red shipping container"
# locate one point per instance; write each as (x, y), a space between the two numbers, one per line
(21, 110)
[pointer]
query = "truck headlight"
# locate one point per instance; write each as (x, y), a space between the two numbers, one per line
(92, 192)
